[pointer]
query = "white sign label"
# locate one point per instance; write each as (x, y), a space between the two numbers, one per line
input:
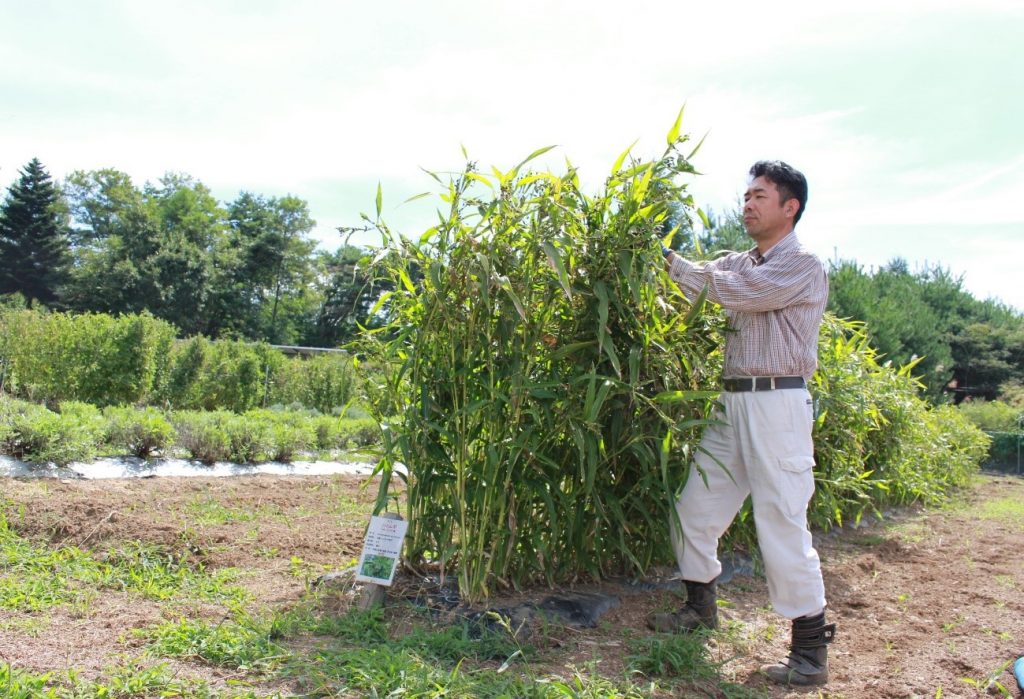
(383, 546)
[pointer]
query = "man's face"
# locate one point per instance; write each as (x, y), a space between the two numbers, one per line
(765, 216)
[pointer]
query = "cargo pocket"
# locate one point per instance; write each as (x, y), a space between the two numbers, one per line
(797, 486)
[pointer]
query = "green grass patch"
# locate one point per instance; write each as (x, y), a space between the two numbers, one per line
(1008, 510)
(34, 576)
(120, 682)
(684, 658)
(244, 643)
(210, 511)
(355, 655)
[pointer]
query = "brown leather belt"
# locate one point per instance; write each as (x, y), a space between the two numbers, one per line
(763, 383)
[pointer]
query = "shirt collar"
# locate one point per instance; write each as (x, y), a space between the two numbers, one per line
(788, 242)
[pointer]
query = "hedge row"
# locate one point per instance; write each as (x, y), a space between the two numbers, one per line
(136, 360)
(79, 431)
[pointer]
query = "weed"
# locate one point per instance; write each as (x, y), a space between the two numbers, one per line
(990, 684)
(244, 643)
(1007, 581)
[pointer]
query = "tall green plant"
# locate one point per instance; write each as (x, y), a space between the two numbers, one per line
(547, 374)
(877, 441)
(96, 358)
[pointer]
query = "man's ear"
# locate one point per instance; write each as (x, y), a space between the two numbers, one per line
(791, 206)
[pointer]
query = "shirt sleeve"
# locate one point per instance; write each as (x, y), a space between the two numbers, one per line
(773, 285)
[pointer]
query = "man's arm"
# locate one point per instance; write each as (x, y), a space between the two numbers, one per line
(773, 285)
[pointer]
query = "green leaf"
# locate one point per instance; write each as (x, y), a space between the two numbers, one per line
(556, 260)
(479, 178)
(380, 302)
(406, 281)
(571, 348)
(535, 154)
(696, 307)
(684, 396)
(697, 147)
(428, 234)
(594, 408)
(622, 158)
(380, 198)
(609, 349)
(506, 286)
(417, 196)
(673, 133)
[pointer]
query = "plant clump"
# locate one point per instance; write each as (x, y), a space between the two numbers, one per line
(543, 377)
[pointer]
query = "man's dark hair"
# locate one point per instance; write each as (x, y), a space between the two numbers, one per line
(790, 182)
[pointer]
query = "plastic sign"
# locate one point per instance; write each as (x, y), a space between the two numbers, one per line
(381, 550)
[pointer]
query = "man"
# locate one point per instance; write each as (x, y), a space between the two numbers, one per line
(774, 296)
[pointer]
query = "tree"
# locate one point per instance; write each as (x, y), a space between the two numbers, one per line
(34, 252)
(348, 299)
(969, 348)
(274, 292)
(901, 324)
(116, 233)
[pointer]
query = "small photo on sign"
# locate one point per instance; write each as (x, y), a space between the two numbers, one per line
(379, 567)
(381, 550)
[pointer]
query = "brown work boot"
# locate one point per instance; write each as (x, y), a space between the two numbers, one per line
(699, 612)
(807, 662)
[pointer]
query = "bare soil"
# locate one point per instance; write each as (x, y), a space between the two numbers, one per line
(927, 604)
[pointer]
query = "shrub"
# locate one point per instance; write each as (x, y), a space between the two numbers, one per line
(203, 435)
(545, 372)
(249, 438)
(290, 433)
(34, 433)
(325, 382)
(94, 358)
(993, 416)
(335, 434)
(876, 441)
(138, 431)
(222, 375)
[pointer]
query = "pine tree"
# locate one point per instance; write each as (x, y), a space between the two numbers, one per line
(34, 248)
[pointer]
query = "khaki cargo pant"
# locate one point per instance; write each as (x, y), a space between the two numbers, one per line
(766, 449)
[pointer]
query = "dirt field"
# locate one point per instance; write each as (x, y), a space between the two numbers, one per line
(928, 604)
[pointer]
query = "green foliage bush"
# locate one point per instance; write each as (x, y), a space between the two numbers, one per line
(78, 431)
(324, 382)
(204, 435)
(134, 360)
(94, 358)
(249, 439)
(337, 433)
(877, 442)
(222, 375)
(138, 431)
(33, 433)
(545, 372)
(993, 416)
(1005, 424)
(291, 434)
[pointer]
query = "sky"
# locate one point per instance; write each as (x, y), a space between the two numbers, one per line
(904, 115)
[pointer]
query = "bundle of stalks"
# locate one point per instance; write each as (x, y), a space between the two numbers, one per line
(545, 382)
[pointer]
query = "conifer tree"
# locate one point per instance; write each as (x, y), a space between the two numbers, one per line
(34, 248)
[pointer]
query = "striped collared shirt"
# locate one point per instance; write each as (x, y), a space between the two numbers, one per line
(773, 305)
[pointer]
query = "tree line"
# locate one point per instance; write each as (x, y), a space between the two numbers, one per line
(247, 269)
(965, 349)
